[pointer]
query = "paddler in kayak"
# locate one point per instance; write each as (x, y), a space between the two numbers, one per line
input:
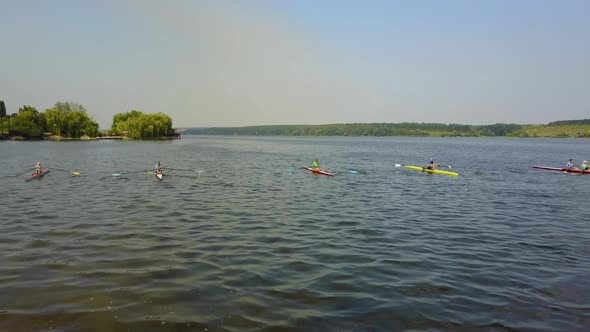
(584, 166)
(315, 164)
(38, 168)
(570, 165)
(432, 165)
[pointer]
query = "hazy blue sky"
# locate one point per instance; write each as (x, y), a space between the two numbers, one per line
(234, 63)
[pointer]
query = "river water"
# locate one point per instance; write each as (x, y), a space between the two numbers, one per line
(237, 242)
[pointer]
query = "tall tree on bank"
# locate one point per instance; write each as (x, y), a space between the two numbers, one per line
(2, 116)
(137, 125)
(28, 122)
(69, 119)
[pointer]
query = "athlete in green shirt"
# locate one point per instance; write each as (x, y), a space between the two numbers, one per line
(315, 164)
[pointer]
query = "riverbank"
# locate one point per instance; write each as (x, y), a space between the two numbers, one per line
(68, 139)
(560, 129)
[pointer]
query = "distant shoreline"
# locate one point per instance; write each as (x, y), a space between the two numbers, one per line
(557, 129)
(70, 139)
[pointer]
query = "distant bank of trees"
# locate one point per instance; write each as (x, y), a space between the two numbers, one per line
(137, 125)
(366, 129)
(573, 128)
(554, 130)
(65, 119)
(71, 120)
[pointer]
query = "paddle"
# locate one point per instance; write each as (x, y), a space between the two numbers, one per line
(317, 169)
(75, 173)
(292, 170)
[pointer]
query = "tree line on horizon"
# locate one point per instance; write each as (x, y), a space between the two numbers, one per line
(71, 120)
(571, 128)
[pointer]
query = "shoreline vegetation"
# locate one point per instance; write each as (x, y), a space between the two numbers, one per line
(557, 129)
(68, 121)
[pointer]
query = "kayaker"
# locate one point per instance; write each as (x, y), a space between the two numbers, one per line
(158, 168)
(432, 165)
(583, 166)
(38, 168)
(315, 164)
(570, 165)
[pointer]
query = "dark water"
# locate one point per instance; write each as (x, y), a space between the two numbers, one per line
(246, 245)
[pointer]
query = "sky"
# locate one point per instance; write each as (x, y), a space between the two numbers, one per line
(263, 62)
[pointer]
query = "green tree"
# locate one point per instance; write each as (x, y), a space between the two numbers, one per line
(137, 125)
(53, 119)
(10, 118)
(68, 106)
(70, 120)
(2, 116)
(28, 122)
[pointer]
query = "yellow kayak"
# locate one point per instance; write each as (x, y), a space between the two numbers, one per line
(435, 171)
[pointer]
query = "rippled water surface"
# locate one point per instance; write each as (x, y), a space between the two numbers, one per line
(236, 242)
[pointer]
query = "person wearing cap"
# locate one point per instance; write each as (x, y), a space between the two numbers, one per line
(315, 164)
(583, 166)
(432, 165)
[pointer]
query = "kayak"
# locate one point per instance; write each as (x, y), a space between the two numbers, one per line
(565, 170)
(36, 176)
(433, 171)
(318, 171)
(159, 176)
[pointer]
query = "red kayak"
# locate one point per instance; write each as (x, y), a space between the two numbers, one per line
(317, 171)
(565, 170)
(36, 176)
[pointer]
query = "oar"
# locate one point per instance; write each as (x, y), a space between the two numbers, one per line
(75, 173)
(9, 176)
(30, 169)
(182, 169)
(118, 174)
(187, 170)
(192, 170)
